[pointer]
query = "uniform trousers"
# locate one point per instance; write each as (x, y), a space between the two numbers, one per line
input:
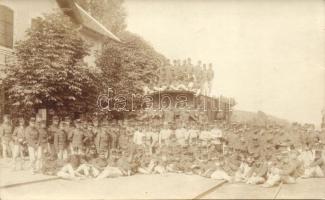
(7, 148)
(255, 180)
(32, 152)
(77, 150)
(18, 155)
(312, 172)
(51, 149)
(220, 175)
(110, 172)
(62, 154)
(274, 179)
(41, 151)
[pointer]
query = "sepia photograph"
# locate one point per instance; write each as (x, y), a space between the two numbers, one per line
(162, 99)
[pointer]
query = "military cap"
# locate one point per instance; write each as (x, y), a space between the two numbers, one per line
(67, 118)
(318, 153)
(114, 151)
(21, 119)
(32, 119)
(172, 136)
(104, 123)
(95, 119)
(55, 118)
(64, 123)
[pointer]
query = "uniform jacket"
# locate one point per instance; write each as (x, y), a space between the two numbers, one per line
(19, 135)
(60, 139)
(32, 136)
(77, 137)
(102, 140)
(43, 136)
(52, 130)
(6, 133)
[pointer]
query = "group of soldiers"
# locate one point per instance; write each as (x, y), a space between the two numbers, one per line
(235, 152)
(183, 75)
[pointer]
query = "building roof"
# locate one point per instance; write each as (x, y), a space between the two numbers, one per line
(80, 16)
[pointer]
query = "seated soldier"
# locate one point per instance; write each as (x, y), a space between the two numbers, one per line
(146, 163)
(118, 165)
(94, 166)
(51, 165)
(177, 85)
(286, 169)
(245, 170)
(220, 173)
(174, 161)
(124, 163)
(259, 172)
(187, 161)
(206, 166)
(314, 169)
(71, 170)
(161, 161)
(198, 165)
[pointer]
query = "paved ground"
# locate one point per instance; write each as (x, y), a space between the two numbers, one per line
(173, 186)
(303, 189)
(139, 186)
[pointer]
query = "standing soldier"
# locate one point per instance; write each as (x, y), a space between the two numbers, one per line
(68, 128)
(89, 137)
(113, 135)
(32, 137)
(204, 82)
(102, 139)
(164, 134)
(42, 144)
(95, 127)
(197, 74)
(19, 141)
(123, 140)
(52, 131)
(77, 136)
(210, 77)
(6, 136)
(180, 135)
(61, 141)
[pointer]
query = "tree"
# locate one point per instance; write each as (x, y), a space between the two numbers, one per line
(126, 67)
(50, 72)
(110, 13)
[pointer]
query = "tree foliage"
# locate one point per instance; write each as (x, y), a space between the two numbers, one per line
(126, 67)
(49, 71)
(110, 13)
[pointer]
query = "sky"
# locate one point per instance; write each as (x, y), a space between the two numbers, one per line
(268, 54)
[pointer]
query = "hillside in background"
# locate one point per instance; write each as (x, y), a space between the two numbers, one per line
(258, 118)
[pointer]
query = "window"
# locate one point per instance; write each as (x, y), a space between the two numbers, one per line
(6, 26)
(35, 22)
(2, 59)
